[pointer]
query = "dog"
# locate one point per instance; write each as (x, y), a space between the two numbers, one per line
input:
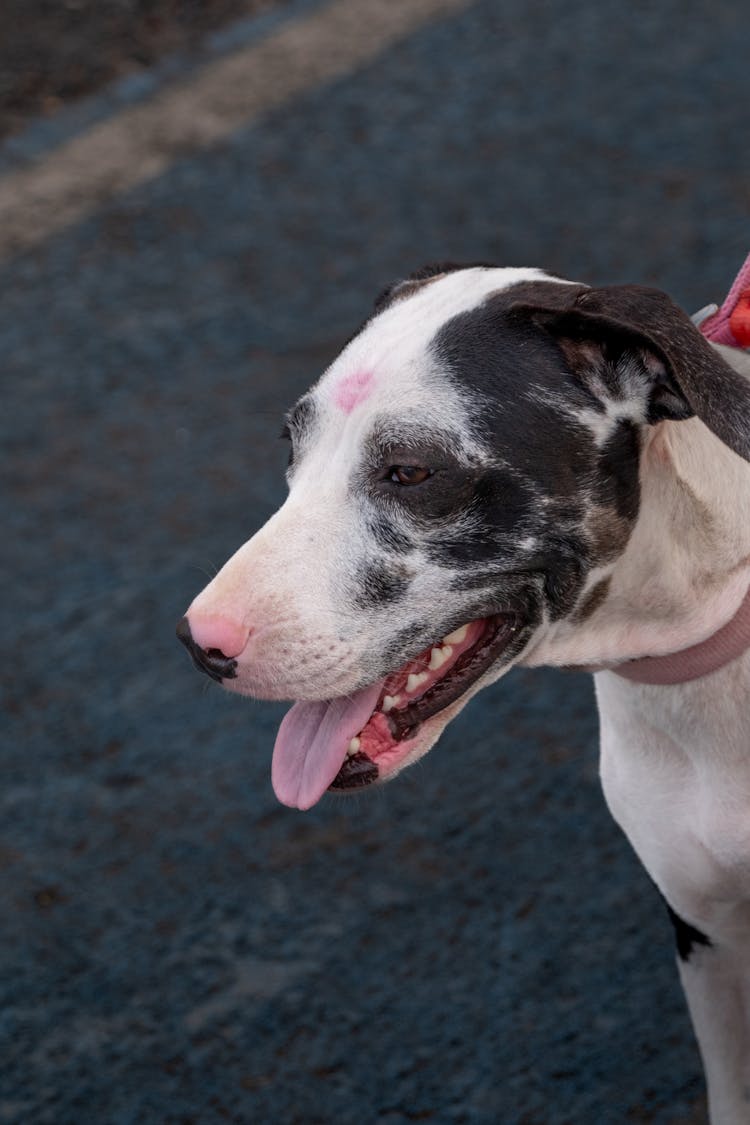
(504, 467)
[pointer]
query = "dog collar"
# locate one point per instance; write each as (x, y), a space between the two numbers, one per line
(693, 663)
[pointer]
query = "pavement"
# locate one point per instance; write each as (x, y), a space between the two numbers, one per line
(53, 54)
(474, 943)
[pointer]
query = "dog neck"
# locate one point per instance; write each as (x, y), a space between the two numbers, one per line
(685, 571)
(695, 662)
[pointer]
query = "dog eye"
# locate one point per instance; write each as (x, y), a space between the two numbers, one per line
(408, 474)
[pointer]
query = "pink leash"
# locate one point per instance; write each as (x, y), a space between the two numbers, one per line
(731, 323)
(728, 325)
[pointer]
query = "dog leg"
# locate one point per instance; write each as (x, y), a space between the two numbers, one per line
(716, 981)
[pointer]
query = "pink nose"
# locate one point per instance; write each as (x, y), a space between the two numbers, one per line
(211, 631)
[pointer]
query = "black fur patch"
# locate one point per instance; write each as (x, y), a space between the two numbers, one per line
(507, 367)
(617, 482)
(298, 424)
(686, 936)
(437, 501)
(596, 596)
(301, 417)
(576, 502)
(496, 505)
(379, 585)
(387, 536)
(516, 377)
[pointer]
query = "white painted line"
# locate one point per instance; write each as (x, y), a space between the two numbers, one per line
(141, 142)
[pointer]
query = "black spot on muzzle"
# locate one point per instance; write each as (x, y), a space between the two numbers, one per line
(211, 661)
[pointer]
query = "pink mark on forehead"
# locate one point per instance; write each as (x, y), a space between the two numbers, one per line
(353, 389)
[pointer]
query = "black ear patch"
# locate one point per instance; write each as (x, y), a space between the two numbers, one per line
(687, 376)
(666, 400)
(614, 358)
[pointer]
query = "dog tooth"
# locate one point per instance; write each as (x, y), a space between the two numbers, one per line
(436, 659)
(389, 702)
(353, 747)
(416, 680)
(457, 636)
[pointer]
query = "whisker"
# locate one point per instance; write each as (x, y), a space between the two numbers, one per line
(213, 568)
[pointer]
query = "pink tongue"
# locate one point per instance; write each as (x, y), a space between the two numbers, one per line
(312, 742)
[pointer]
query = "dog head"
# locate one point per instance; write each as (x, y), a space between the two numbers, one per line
(462, 481)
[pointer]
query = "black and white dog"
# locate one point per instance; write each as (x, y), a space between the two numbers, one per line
(503, 467)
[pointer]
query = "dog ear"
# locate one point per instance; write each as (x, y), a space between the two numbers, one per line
(685, 375)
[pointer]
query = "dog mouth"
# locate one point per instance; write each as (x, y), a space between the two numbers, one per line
(347, 743)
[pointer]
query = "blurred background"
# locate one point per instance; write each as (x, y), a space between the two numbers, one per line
(198, 204)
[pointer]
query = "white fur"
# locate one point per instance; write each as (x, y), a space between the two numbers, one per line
(675, 761)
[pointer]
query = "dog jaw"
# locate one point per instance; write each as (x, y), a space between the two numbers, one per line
(345, 743)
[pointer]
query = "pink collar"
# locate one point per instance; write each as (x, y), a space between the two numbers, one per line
(729, 325)
(695, 662)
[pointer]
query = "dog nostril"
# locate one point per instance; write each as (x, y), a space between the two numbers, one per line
(212, 661)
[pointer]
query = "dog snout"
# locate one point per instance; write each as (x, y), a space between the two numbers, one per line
(212, 631)
(214, 644)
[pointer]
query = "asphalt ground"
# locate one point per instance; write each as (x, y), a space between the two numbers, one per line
(52, 51)
(475, 942)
